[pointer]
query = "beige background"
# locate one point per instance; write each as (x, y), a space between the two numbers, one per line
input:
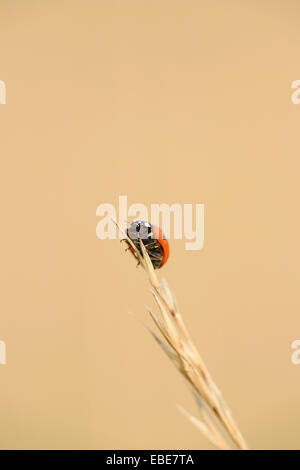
(163, 101)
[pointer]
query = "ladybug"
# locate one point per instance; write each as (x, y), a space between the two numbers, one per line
(153, 239)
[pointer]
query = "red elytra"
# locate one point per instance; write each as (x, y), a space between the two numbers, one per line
(158, 233)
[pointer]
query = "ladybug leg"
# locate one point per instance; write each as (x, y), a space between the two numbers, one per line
(152, 244)
(128, 244)
(154, 256)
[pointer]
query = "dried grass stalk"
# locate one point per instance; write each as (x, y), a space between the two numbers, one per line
(216, 422)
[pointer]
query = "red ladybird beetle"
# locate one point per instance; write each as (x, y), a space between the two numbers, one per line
(154, 240)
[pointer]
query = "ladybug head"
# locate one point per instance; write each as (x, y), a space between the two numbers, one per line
(140, 229)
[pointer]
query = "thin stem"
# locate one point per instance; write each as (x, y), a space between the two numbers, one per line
(187, 359)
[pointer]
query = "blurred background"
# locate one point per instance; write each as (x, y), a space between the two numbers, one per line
(162, 101)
